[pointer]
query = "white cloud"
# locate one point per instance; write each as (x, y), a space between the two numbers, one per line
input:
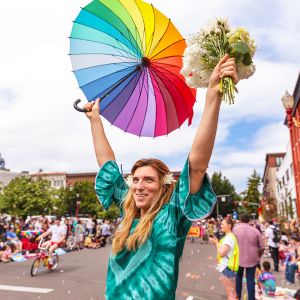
(40, 129)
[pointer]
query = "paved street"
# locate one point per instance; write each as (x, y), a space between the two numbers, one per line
(81, 276)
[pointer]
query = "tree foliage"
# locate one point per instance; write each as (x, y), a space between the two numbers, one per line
(222, 186)
(251, 199)
(24, 196)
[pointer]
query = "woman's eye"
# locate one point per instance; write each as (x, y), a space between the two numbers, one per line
(149, 180)
(135, 180)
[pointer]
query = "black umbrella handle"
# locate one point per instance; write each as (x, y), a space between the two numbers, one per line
(75, 105)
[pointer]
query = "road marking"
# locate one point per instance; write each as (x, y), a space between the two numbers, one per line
(25, 289)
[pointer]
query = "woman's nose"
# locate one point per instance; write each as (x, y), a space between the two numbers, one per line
(140, 184)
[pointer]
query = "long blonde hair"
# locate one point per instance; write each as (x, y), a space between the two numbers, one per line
(130, 211)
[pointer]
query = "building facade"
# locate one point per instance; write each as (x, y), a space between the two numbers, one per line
(285, 187)
(57, 179)
(7, 176)
(269, 200)
(293, 123)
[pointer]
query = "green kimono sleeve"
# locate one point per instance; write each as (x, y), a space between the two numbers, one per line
(110, 185)
(194, 206)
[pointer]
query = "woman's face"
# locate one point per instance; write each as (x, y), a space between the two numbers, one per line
(145, 186)
(225, 227)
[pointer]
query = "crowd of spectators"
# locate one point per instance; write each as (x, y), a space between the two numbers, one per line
(19, 236)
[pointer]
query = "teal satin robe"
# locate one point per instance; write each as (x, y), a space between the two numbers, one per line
(152, 271)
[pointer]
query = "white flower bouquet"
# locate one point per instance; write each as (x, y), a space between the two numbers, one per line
(208, 46)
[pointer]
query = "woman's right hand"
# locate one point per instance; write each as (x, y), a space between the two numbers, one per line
(93, 109)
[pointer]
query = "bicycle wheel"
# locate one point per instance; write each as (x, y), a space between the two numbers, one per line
(35, 266)
(55, 262)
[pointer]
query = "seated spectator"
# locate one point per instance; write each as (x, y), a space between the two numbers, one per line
(12, 238)
(266, 280)
(6, 254)
(90, 243)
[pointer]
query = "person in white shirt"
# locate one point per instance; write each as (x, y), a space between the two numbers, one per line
(38, 225)
(58, 232)
(106, 231)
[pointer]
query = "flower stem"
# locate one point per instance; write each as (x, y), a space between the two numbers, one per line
(227, 88)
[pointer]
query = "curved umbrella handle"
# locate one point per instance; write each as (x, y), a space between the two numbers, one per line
(77, 107)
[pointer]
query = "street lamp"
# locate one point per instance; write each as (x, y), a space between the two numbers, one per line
(77, 205)
(288, 103)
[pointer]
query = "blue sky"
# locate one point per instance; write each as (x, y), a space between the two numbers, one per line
(40, 129)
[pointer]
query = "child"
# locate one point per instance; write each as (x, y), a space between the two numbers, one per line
(266, 280)
(6, 254)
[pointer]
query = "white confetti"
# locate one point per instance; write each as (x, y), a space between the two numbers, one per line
(69, 292)
(61, 271)
(190, 298)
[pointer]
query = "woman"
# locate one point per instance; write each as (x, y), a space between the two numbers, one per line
(228, 257)
(150, 240)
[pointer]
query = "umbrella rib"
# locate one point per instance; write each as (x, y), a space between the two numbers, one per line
(105, 76)
(117, 96)
(136, 29)
(120, 42)
(118, 63)
(147, 91)
(160, 91)
(132, 116)
(130, 35)
(160, 39)
(156, 60)
(117, 49)
(152, 36)
(144, 37)
(85, 68)
(181, 98)
(167, 47)
(111, 25)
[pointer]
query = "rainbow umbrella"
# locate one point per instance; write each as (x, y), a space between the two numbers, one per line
(129, 54)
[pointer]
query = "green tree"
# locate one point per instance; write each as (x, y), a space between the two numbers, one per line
(222, 186)
(251, 195)
(24, 196)
(84, 192)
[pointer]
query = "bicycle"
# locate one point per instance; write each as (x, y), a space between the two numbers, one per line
(43, 260)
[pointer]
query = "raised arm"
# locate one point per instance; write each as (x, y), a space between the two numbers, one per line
(102, 147)
(205, 136)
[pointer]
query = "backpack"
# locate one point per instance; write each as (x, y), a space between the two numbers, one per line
(276, 234)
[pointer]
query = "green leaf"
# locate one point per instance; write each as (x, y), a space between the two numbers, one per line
(247, 61)
(240, 47)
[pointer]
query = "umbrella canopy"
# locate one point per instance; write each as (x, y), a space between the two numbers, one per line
(130, 55)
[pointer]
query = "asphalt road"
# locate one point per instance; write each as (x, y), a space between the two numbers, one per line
(81, 276)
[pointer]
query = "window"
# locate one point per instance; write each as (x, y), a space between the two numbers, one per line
(292, 170)
(287, 174)
(278, 161)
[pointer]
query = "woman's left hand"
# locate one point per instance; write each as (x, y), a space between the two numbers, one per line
(225, 68)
